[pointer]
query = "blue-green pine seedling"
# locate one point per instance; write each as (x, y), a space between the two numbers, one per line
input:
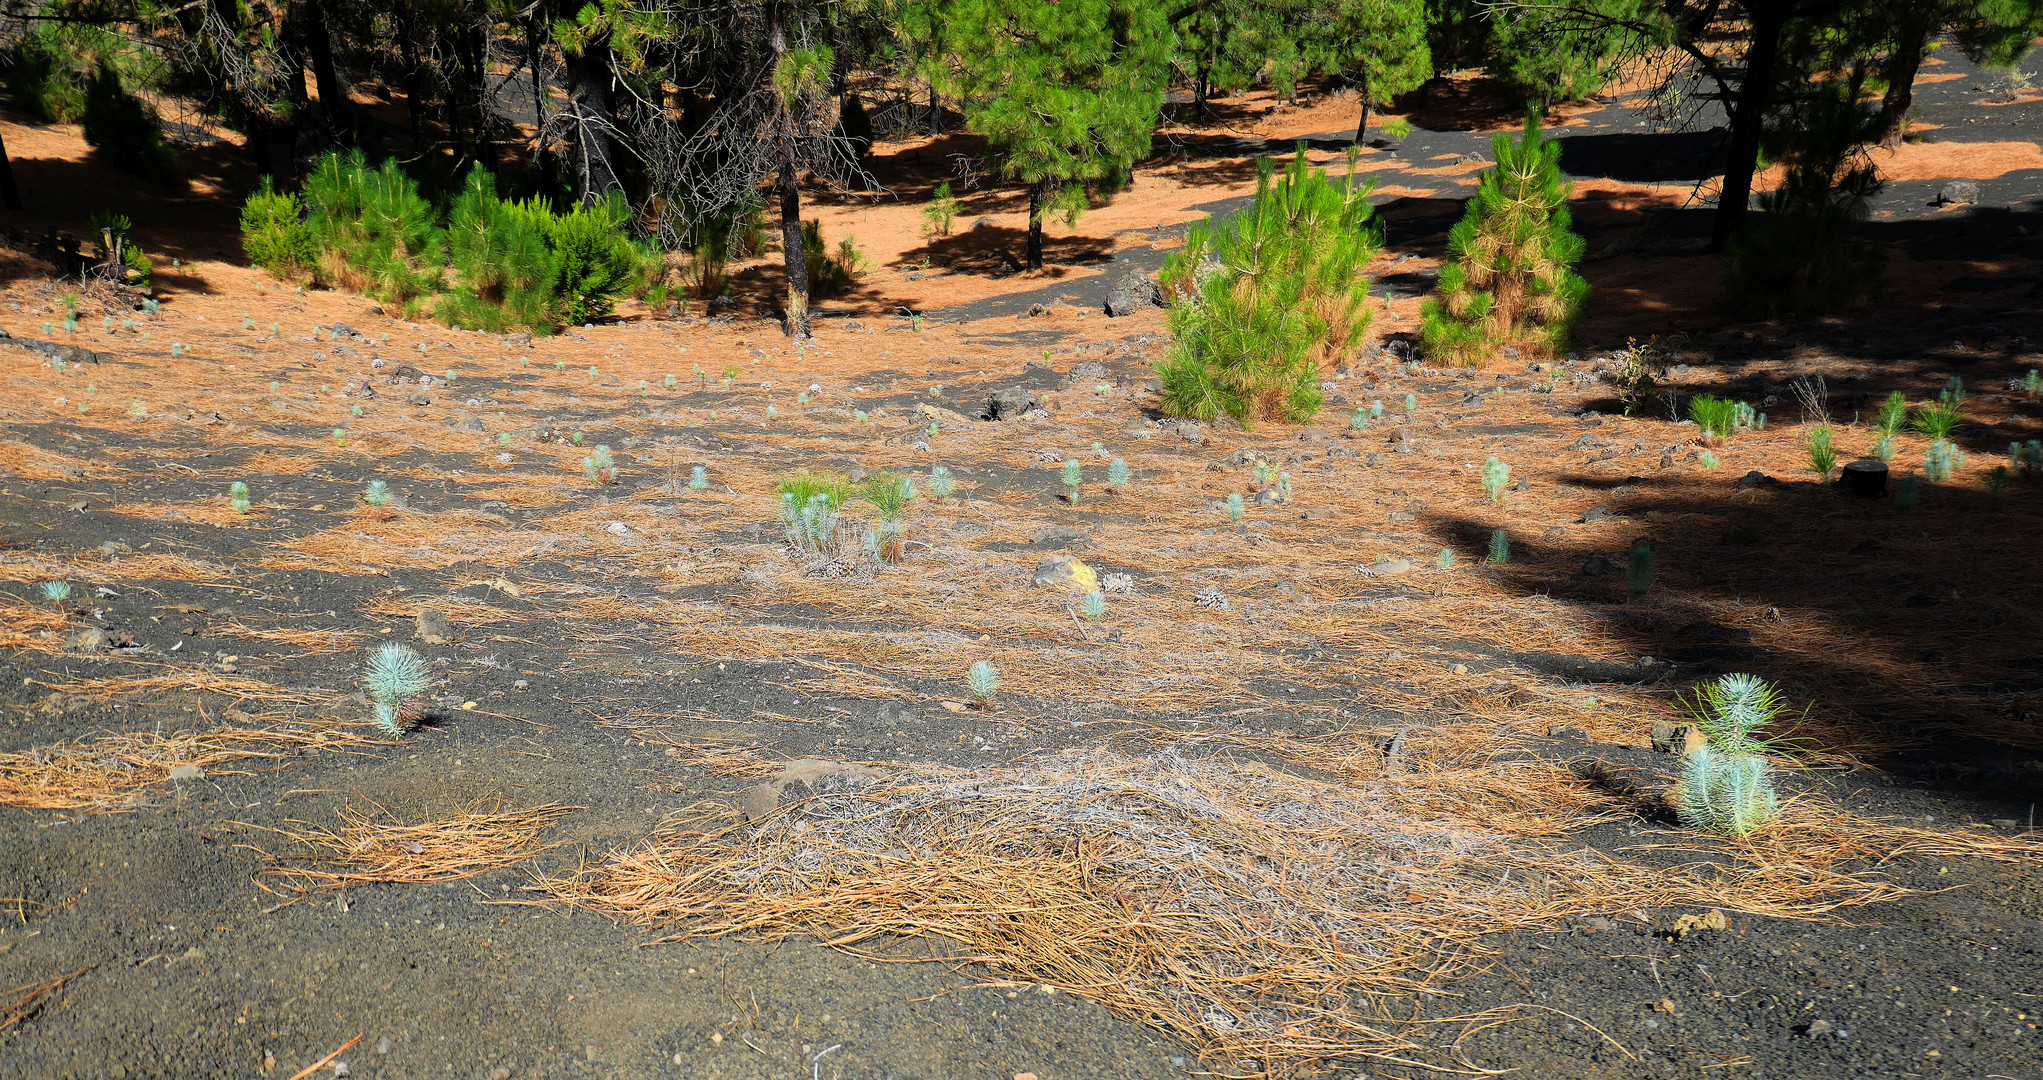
(1908, 494)
(1638, 573)
(1500, 546)
(1883, 447)
(1445, 560)
(1411, 404)
(1376, 410)
(1073, 477)
(802, 398)
(1284, 486)
(340, 436)
(983, 680)
(247, 323)
(643, 387)
(58, 364)
(1953, 391)
(1941, 460)
(858, 415)
(1997, 483)
(238, 495)
(1726, 792)
(773, 414)
(1359, 421)
(1094, 605)
(1117, 475)
(394, 676)
(1709, 459)
(1234, 508)
(936, 391)
(700, 480)
(273, 385)
(599, 466)
(276, 328)
(138, 410)
(108, 323)
(592, 372)
(149, 307)
(70, 324)
(46, 326)
(1265, 471)
(940, 483)
(503, 438)
(177, 348)
(355, 411)
(377, 494)
(56, 592)
(669, 381)
(1495, 475)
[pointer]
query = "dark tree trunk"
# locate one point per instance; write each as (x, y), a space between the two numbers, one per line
(333, 100)
(468, 48)
(1912, 38)
(935, 113)
(1039, 196)
(1362, 124)
(534, 53)
(414, 80)
(790, 191)
(1748, 116)
(1202, 90)
(10, 196)
(588, 93)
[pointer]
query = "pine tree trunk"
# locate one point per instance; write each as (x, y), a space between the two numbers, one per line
(588, 91)
(935, 113)
(534, 55)
(414, 83)
(1912, 39)
(1039, 194)
(1748, 115)
(333, 101)
(791, 245)
(1362, 124)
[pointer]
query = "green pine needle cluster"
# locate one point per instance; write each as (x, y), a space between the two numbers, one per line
(393, 677)
(1509, 278)
(983, 680)
(1268, 296)
(1725, 786)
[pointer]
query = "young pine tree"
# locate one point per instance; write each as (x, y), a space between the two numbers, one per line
(1510, 277)
(507, 272)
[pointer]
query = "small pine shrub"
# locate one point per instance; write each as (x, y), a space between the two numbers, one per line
(1117, 476)
(1500, 547)
(1267, 296)
(237, 494)
(1509, 277)
(1726, 792)
(1073, 477)
(598, 260)
(1937, 419)
(274, 234)
(983, 680)
(375, 234)
(829, 275)
(1411, 406)
(393, 678)
(940, 483)
(1893, 414)
(1941, 460)
(506, 273)
(1883, 448)
(1709, 459)
(1495, 475)
(1638, 572)
(1822, 453)
(1717, 417)
(812, 526)
(940, 212)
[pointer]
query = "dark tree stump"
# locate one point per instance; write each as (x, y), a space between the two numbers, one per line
(1866, 477)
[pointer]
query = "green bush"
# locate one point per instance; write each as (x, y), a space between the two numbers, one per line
(1717, 417)
(506, 271)
(1509, 278)
(1265, 297)
(125, 130)
(374, 232)
(598, 260)
(274, 234)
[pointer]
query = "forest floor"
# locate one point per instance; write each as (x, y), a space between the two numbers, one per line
(1303, 802)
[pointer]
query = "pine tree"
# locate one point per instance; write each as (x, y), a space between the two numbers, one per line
(1510, 276)
(1067, 93)
(1549, 55)
(1380, 46)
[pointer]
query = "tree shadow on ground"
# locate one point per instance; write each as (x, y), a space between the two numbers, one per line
(998, 249)
(1468, 104)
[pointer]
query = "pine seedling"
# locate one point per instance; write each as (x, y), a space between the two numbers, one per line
(340, 436)
(1709, 459)
(889, 493)
(1717, 417)
(1938, 419)
(1908, 494)
(600, 467)
(1731, 709)
(1883, 447)
(930, 431)
(238, 495)
(1997, 483)
(669, 381)
(138, 410)
(643, 387)
(1822, 453)
(940, 483)
(504, 439)
(983, 680)
(1638, 571)
(858, 415)
(2033, 382)
(377, 496)
(1376, 410)
(1093, 606)
(1941, 460)
(70, 324)
(576, 438)
(774, 414)
(177, 348)
(1117, 476)
(1234, 508)
(1500, 547)
(150, 307)
(699, 479)
(1953, 391)
(1445, 560)
(1495, 475)
(1726, 793)
(1266, 470)
(1411, 405)
(1073, 477)
(1893, 415)
(592, 368)
(1284, 486)
(393, 678)
(1359, 421)
(802, 398)
(56, 592)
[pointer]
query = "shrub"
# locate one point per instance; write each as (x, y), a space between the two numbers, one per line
(506, 270)
(598, 260)
(940, 212)
(373, 231)
(1800, 256)
(1500, 547)
(1509, 278)
(889, 493)
(1717, 417)
(811, 524)
(125, 130)
(1937, 419)
(1268, 296)
(1822, 453)
(274, 234)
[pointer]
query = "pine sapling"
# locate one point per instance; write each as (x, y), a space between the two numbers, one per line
(599, 467)
(1072, 478)
(394, 678)
(1117, 476)
(56, 592)
(1445, 560)
(1495, 475)
(1094, 605)
(1234, 508)
(699, 481)
(238, 496)
(1893, 415)
(1500, 547)
(1726, 792)
(941, 484)
(1822, 453)
(1941, 460)
(983, 680)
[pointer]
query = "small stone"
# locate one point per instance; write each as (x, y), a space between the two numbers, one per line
(90, 639)
(760, 800)
(434, 629)
(954, 706)
(1595, 514)
(1065, 574)
(187, 772)
(418, 399)
(500, 1073)
(520, 685)
(383, 1045)
(1818, 1028)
